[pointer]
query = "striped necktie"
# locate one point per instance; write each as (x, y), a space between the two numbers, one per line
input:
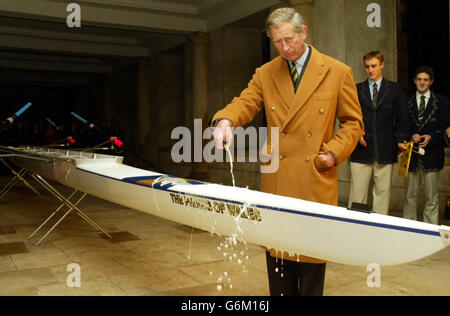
(421, 108)
(294, 75)
(374, 94)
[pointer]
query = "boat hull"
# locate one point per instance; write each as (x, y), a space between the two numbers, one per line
(285, 224)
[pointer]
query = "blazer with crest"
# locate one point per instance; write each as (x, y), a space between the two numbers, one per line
(386, 124)
(433, 124)
(306, 121)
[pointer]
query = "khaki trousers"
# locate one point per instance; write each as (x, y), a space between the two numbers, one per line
(430, 182)
(361, 175)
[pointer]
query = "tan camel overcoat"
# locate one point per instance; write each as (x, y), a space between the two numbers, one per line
(307, 125)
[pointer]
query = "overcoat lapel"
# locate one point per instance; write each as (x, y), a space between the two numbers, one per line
(366, 94)
(384, 90)
(413, 111)
(315, 72)
(431, 107)
(412, 105)
(283, 81)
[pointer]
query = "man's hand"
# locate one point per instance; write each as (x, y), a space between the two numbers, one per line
(362, 141)
(422, 140)
(416, 138)
(403, 148)
(223, 132)
(324, 162)
(425, 140)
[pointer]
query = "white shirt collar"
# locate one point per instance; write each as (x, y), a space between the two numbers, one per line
(301, 61)
(371, 82)
(426, 94)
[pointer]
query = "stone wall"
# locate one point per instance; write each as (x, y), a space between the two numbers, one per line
(346, 36)
(234, 54)
(340, 30)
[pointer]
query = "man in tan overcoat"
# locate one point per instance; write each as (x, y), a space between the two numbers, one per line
(302, 92)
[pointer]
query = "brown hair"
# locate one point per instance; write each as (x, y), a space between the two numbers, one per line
(426, 69)
(374, 54)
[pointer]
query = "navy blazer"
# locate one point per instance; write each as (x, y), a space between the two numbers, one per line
(433, 124)
(385, 125)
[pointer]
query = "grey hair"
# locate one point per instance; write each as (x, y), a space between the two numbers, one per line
(284, 15)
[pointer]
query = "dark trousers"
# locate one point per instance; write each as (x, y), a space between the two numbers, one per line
(289, 278)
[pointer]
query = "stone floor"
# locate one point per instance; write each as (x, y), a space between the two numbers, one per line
(151, 256)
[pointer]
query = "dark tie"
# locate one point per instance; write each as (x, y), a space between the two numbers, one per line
(294, 75)
(375, 94)
(421, 108)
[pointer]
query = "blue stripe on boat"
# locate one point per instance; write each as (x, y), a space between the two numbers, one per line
(159, 186)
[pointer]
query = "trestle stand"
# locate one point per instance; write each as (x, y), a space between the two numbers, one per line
(65, 202)
(18, 176)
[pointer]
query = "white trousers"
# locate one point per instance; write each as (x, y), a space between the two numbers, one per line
(361, 175)
(430, 182)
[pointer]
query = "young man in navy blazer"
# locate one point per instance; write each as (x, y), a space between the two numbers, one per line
(385, 130)
(428, 121)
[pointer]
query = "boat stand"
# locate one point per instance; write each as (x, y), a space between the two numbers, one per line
(65, 202)
(18, 176)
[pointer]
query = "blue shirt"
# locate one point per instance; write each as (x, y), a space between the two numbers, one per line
(299, 63)
(371, 82)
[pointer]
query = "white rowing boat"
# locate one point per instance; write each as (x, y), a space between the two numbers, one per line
(286, 224)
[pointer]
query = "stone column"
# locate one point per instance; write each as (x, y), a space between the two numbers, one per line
(199, 102)
(305, 7)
